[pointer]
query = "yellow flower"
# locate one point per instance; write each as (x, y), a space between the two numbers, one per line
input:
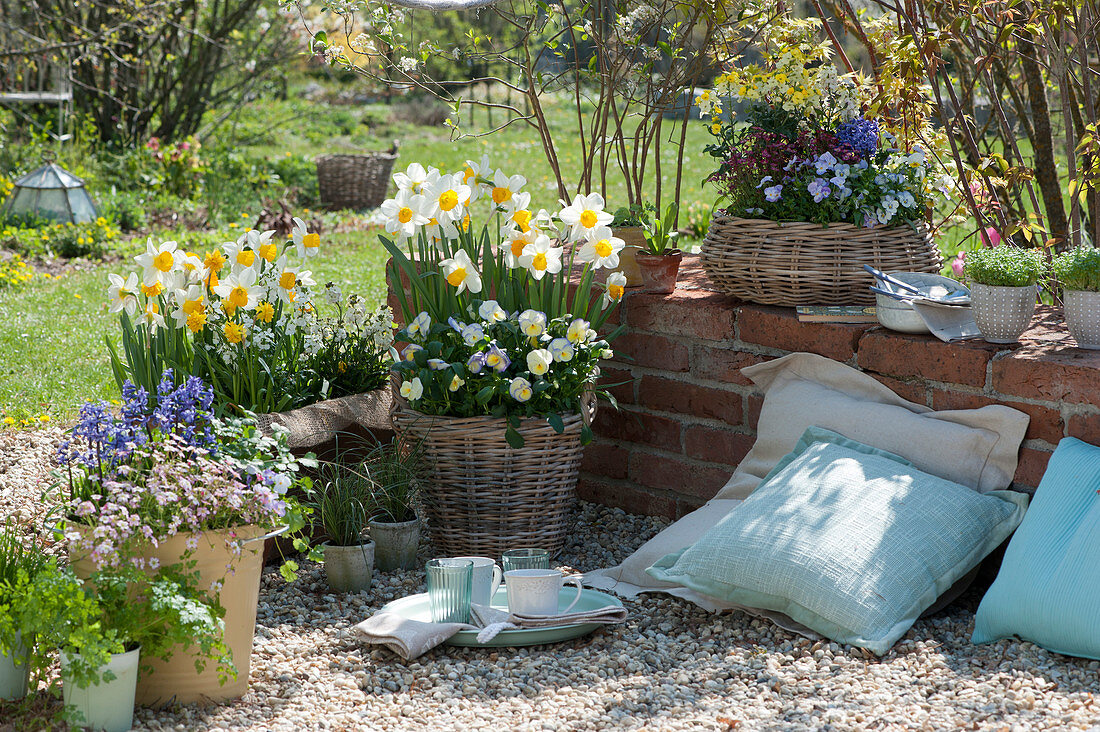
(716, 128)
(265, 311)
(232, 224)
(234, 333)
(9, 421)
(214, 261)
(44, 418)
(153, 291)
(196, 321)
(269, 250)
(341, 367)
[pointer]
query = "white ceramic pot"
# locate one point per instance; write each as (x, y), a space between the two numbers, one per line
(1002, 313)
(1083, 318)
(349, 568)
(14, 671)
(395, 545)
(110, 704)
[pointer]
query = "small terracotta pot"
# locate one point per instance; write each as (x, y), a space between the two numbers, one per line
(634, 237)
(659, 271)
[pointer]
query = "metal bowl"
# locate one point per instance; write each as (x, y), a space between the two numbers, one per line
(901, 316)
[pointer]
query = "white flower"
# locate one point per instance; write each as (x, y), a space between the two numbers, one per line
(602, 249)
(281, 484)
(520, 389)
(445, 199)
(520, 213)
(562, 349)
(491, 312)
(157, 262)
(332, 293)
(407, 64)
(412, 390)
(192, 266)
(188, 301)
(585, 214)
(239, 290)
(475, 173)
(456, 383)
(420, 325)
(404, 214)
(578, 330)
(515, 242)
(472, 333)
(505, 188)
(437, 364)
(532, 323)
(152, 316)
(290, 280)
(409, 354)
(541, 257)
(240, 255)
(461, 273)
(415, 178)
(306, 242)
(616, 288)
(123, 293)
(539, 361)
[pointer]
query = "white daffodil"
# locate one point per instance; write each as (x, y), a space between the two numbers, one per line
(616, 288)
(475, 174)
(578, 331)
(263, 246)
(532, 323)
(437, 232)
(541, 257)
(421, 325)
(515, 242)
(191, 266)
(456, 383)
(562, 349)
(602, 249)
(152, 317)
(585, 215)
(412, 390)
(444, 199)
(491, 312)
(240, 255)
(520, 389)
(505, 188)
(157, 261)
(539, 361)
(461, 273)
(520, 215)
(239, 291)
(306, 242)
(415, 178)
(289, 280)
(188, 301)
(123, 293)
(404, 214)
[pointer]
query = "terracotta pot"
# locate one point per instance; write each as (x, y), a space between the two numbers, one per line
(634, 236)
(659, 271)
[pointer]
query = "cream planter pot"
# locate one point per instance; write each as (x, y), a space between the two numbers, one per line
(110, 704)
(1002, 313)
(349, 568)
(1083, 318)
(13, 671)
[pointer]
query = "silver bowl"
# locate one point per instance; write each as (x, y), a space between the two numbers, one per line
(900, 316)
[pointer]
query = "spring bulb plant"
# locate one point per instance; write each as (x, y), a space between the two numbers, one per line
(149, 473)
(804, 151)
(494, 324)
(243, 318)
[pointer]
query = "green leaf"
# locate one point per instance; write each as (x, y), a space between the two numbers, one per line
(555, 421)
(514, 438)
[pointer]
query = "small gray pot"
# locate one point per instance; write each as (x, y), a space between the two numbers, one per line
(1002, 313)
(396, 543)
(1083, 318)
(349, 568)
(14, 671)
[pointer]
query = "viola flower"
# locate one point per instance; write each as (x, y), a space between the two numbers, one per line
(539, 361)
(533, 323)
(520, 389)
(562, 349)
(472, 334)
(819, 189)
(412, 390)
(409, 354)
(421, 325)
(437, 364)
(476, 363)
(460, 273)
(456, 383)
(773, 193)
(491, 312)
(497, 359)
(578, 331)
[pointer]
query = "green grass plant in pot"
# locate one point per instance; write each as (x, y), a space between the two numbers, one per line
(19, 564)
(1078, 271)
(1002, 289)
(395, 470)
(659, 262)
(340, 504)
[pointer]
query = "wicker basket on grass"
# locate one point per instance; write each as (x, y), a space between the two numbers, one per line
(355, 181)
(482, 496)
(802, 263)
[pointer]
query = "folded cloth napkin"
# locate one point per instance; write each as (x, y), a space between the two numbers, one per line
(410, 638)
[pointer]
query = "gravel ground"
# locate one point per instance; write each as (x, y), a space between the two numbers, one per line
(672, 666)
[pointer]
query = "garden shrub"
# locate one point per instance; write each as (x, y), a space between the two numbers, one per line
(91, 240)
(14, 272)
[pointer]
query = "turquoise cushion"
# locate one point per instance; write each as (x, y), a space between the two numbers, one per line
(850, 543)
(1048, 589)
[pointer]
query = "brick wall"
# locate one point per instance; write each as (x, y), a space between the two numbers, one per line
(688, 416)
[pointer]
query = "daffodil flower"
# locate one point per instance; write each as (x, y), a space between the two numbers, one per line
(460, 273)
(123, 293)
(412, 390)
(239, 255)
(191, 265)
(585, 214)
(601, 248)
(578, 331)
(539, 361)
(505, 187)
(415, 178)
(444, 199)
(188, 301)
(616, 288)
(234, 333)
(152, 317)
(157, 261)
(306, 243)
(532, 323)
(491, 312)
(520, 389)
(474, 174)
(239, 290)
(562, 349)
(541, 257)
(404, 214)
(515, 242)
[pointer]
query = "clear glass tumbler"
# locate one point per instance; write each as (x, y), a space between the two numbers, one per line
(525, 559)
(449, 584)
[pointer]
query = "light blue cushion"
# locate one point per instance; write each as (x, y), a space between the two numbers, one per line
(851, 544)
(814, 435)
(1048, 589)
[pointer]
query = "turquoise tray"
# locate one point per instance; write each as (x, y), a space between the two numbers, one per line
(415, 607)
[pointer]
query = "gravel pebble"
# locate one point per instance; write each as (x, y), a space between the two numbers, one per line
(671, 666)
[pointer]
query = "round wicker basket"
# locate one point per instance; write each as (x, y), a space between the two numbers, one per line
(482, 496)
(354, 181)
(802, 263)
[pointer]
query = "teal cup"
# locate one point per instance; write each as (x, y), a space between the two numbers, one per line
(450, 582)
(525, 559)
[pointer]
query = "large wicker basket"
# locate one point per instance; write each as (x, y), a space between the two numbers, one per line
(801, 263)
(355, 181)
(482, 496)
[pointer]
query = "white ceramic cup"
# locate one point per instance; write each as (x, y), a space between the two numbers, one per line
(487, 578)
(535, 591)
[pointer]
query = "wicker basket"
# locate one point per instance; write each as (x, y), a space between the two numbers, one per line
(801, 263)
(355, 181)
(482, 496)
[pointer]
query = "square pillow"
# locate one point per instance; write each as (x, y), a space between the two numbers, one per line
(851, 544)
(1048, 588)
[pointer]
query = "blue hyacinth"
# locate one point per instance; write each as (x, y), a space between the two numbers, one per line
(860, 134)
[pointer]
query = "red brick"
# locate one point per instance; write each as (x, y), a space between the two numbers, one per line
(631, 426)
(914, 391)
(1085, 427)
(627, 497)
(1070, 375)
(658, 352)
(669, 395)
(779, 328)
(716, 445)
(897, 354)
(606, 460)
(723, 364)
(620, 383)
(667, 472)
(1046, 423)
(692, 313)
(1033, 463)
(753, 404)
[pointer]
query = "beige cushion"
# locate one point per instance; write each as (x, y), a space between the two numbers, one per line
(975, 447)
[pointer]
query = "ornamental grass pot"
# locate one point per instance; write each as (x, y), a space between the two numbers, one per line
(1083, 317)
(481, 495)
(396, 543)
(108, 705)
(1002, 313)
(349, 568)
(14, 671)
(176, 680)
(803, 263)
(659, 271)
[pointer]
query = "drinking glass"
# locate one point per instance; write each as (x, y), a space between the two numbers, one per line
(526, 559)
(449, 585)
